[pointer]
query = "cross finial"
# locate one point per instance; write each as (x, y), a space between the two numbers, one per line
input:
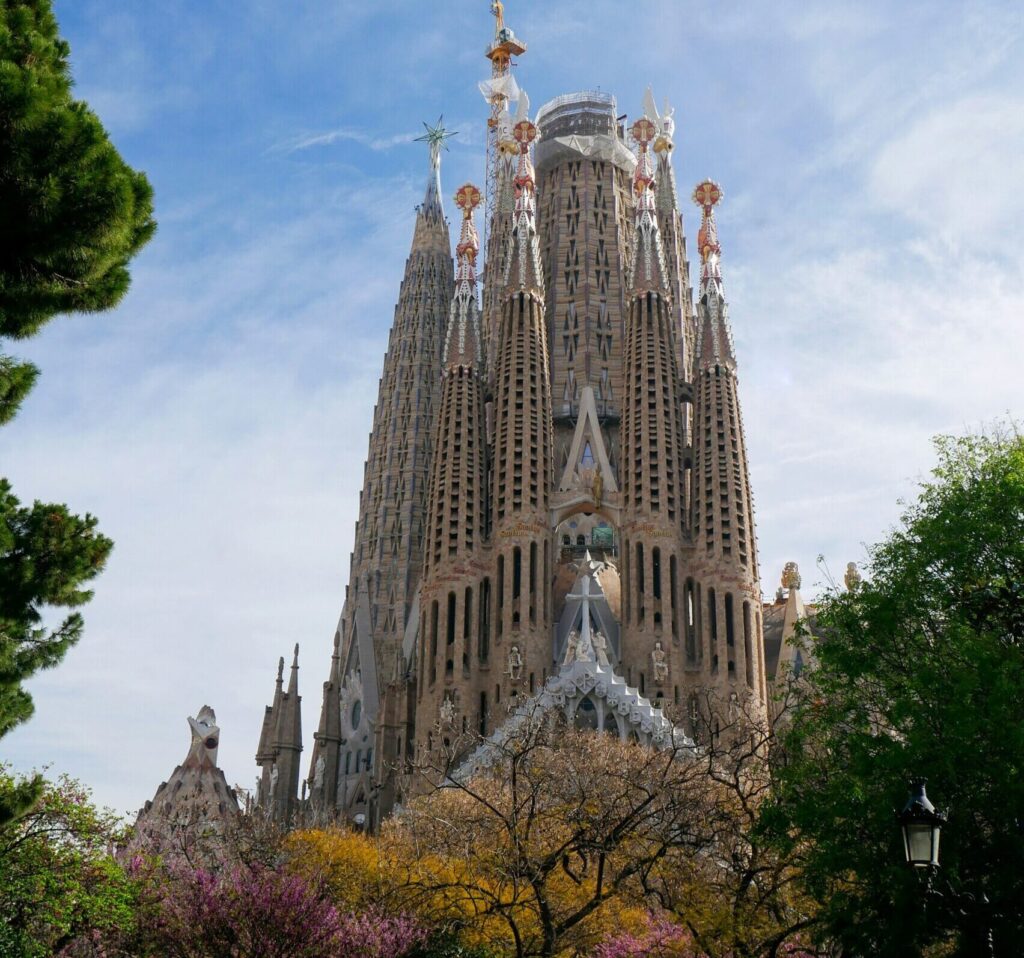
(435, 137)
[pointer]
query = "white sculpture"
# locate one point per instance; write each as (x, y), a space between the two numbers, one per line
(447, 711)
(660, 661)
(274, 775)
(515, 664)
(318, 773)
(205, 737)
(570, 647)
(600, 644)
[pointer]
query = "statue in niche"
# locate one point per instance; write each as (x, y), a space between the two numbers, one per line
(448, 709)
(274, 775)
(600, 644)
(734, 706)
(659, 659)
(515, 664)
(597, 488)
(318, 773)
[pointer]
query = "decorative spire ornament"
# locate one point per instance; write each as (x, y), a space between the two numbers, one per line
(462, 345)
(649, 270)
(436, 139)
(523, 254)
(707, 195)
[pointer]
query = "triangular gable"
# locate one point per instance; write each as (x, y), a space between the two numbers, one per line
(588, 441)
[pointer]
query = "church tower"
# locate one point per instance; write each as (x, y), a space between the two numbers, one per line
(454, 595)
(729, 646)
(556, 505)
(386, 565)
(522, 468)
(654, 495)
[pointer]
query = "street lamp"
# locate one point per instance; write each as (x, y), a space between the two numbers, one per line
(921, 826)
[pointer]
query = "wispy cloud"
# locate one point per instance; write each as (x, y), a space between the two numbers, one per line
(217, 421)
(346, 134)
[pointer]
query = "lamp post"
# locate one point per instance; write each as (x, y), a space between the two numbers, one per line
(921, 826)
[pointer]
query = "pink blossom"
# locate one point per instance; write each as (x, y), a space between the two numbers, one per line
(660, 938)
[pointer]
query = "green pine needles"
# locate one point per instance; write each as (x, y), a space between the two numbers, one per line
(72, 212)
(72, 215)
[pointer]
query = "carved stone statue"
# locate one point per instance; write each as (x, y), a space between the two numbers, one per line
(791, 576)
(515, 664)
(274, 776)
(734, 706)
(600, 644)
(597, 487)
(447, 711)
(205, 737)
(660, 661)
(318, 772)
(853, 577)
(570, 648)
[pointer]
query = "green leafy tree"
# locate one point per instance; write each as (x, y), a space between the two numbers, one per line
(921, 673)
(72, 215)
(58, 881)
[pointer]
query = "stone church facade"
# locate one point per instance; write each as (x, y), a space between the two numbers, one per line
(556, 506)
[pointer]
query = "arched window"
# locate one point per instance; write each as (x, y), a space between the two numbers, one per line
(586, 715)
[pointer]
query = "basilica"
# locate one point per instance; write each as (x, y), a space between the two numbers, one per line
(556, 508)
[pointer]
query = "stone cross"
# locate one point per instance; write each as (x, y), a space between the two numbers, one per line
(586, 642)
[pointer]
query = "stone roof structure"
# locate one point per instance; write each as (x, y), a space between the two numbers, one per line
(193, 807)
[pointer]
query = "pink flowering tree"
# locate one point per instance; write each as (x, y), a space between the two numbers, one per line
(258, 913)
(660, 938)
(266, 913)
(372, 935)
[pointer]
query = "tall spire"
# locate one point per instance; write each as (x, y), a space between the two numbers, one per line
(522, 267)
(436, 137)
(707, 195)
(648, 270)
(723, 518)
(462, 343)
(714, 335)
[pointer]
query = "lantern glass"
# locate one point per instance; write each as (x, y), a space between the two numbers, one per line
(921, 844)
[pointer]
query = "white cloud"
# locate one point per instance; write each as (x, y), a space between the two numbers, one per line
(217, 421)
(958, 171)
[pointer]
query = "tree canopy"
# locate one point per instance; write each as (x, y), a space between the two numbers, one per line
(72, 215)
(920, 672)
(72, 212)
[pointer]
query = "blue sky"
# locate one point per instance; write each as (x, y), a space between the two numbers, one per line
(216, 422)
